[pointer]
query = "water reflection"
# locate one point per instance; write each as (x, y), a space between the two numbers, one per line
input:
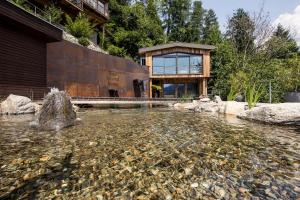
(149, 154)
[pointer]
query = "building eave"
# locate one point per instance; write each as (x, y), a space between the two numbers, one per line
(174, 45)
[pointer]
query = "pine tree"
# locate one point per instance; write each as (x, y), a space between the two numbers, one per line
(211, 31)
(178, 12)
(241, 30)
(132, 27)
(282, 45)
(196, 23)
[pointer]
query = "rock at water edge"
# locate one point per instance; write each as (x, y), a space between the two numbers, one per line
(15, 104)
(56, 112)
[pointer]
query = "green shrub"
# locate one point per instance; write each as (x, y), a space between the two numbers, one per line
(53, 14)
(80, 27)
(83, 41)
(19, 2)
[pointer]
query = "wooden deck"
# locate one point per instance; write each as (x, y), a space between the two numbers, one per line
(122, 101)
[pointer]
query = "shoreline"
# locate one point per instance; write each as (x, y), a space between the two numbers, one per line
(283, 114)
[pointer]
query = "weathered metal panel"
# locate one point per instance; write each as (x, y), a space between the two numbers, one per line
(84, 72)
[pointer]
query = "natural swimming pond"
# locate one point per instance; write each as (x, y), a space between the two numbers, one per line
(144, 153)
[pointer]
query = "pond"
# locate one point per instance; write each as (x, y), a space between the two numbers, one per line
(144, 153)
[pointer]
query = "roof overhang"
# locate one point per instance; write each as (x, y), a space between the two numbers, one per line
(177, 44)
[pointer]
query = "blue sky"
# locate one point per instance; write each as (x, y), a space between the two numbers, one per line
(285, 9)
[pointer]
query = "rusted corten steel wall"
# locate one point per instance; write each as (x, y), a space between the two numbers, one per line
(87, 73)
(23, 39)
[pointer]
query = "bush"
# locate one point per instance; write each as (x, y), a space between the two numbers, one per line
(83, 41)
(53, 14)
(80, 27)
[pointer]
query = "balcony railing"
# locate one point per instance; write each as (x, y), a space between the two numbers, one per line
(77, 3)
(97, 6)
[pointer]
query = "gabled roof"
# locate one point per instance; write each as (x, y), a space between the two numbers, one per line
(177, 44)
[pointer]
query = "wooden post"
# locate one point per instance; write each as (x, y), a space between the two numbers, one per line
(200, 87)
(150, 88)
(204, 86)
(162, 88)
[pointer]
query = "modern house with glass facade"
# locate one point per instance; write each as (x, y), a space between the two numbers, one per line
(177, 69)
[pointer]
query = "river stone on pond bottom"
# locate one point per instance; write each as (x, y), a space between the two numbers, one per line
(56, 112)
(149, 154)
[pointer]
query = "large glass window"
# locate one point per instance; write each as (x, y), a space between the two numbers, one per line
(158, 65)
(169, 90)
(177, 63)
(196, 64)
(170, 65)
(183, 65)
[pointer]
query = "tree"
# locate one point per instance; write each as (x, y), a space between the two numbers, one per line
(282, 45)
(151, 11)
(211, 32)
(196, 23)
(131, 27)
(240, 30)
(178, 21)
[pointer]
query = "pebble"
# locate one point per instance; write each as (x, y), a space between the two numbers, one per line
(243, 190)
(194, 185)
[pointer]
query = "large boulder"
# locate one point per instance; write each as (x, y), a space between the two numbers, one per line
(232, 107)
(56, 112)
(284, 113)
(15, 105)
(210, 107)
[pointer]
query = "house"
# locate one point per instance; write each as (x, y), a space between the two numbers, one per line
(177, 69)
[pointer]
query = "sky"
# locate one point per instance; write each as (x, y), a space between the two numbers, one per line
(285, 12)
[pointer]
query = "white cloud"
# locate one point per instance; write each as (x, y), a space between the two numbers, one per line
(291, 21)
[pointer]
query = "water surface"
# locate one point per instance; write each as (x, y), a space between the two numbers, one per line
(146, 153)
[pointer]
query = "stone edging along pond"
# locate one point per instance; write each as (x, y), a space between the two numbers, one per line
(280, 114)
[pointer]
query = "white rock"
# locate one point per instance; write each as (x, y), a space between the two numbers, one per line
(15, 104)
(218, 99)
(232, 107)
(205, 99)
(75, 108)
(284, 113)
(211, 107)
(194, 185)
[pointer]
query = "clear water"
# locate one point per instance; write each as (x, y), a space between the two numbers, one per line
(143, 153)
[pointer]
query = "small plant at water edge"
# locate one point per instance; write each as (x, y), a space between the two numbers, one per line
(253, 94)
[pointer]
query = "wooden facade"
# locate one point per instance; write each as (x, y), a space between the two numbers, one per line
(23, 39)
(83, 72)
(193, 49)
